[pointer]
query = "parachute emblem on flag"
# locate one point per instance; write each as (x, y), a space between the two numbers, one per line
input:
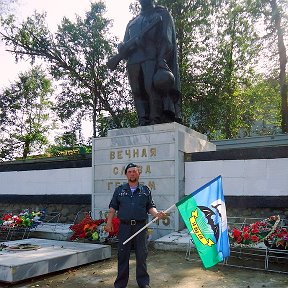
(197, 229)
(215, 219)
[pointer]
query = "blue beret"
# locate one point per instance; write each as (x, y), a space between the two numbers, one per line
(130, 165)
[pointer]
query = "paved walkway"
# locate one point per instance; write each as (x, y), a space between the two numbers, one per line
(168, 266)
(167, 269)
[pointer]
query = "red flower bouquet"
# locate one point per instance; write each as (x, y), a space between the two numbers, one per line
(94, 229)
(250, 235)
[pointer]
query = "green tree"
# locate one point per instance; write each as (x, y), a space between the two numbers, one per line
(77, 56)
(67, 145)
(217, 47)
(193, 28)
(25, 112)
(274, 14)
(127, 118)
(263, 113)
(68, 138)
(232, 64)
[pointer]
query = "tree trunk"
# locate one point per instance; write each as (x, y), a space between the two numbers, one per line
(229, 78)
(94, 114)
(276, 19)
(26, 149)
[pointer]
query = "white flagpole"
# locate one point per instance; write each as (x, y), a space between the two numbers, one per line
(148, 224)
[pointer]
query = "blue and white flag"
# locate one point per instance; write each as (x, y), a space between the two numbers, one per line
(210, 198)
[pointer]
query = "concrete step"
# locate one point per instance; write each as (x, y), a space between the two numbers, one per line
(51, 256)
(175, 241)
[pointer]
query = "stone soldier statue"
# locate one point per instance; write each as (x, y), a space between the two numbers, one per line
(150, 49)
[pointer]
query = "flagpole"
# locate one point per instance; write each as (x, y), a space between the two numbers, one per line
(148, 224)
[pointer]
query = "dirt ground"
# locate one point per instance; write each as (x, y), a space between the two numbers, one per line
(166, 269)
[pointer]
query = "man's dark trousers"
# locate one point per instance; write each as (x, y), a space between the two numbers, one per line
(141, 251)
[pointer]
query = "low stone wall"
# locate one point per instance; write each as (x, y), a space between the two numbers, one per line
(257, 212)
(64, 186)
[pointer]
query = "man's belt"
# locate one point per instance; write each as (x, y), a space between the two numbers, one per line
(132, 222)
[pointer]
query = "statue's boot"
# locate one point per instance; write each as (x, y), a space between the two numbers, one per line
(142, 108)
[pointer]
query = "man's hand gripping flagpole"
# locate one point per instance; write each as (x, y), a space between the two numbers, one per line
(148, 224)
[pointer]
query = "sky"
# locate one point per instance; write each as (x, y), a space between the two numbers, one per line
(117, 10)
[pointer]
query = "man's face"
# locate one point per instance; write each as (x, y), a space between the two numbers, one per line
(145, 3)
(133, 174)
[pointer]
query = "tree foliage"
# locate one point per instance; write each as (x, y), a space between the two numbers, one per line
(220, 48)
(263, 112)
(274, 15)
(232, 62)
(25, 112)
(217, 44)
(77, 56)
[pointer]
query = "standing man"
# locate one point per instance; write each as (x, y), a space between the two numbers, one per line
(150, 49)
(133, 202)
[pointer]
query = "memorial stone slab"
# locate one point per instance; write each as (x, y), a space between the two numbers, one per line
(50, 256)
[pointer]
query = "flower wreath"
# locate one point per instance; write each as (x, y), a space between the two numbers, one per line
(278, 239)
(253, 234)
(25, 219)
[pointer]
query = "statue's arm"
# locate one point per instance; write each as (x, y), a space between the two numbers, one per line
(121, 45)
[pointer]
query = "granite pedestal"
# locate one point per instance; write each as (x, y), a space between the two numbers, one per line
(159, 152)
(51, 256)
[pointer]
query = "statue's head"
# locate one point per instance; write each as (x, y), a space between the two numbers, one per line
(145, 3)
